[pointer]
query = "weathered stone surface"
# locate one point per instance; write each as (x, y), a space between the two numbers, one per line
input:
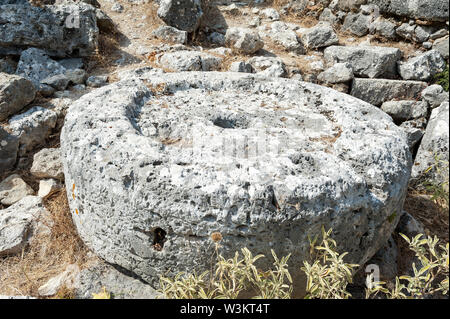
(406, 31)
(120, 286)
(441, 45)
(97, 81)
(319, 36)
(182, 14)
(405, 110)
(60, 30)
(433, 10)
(271, 14)
(170, 34)
(267, 66)
(155, 175)
(9, 146)
(47, 164)
(76, 76)
(241, 66)
(434, 148)
(35, 65)
(377, 91)
(17, 224)
(58, 82)
(338, 73)
(189, 61)
(243, 40)
(434, 95)
(357, 24)
(13, 189)
(289, 40)
(409, 226)
(32, 127)
(348, 5)
(366, 61)
(15, 93)
(8, 65)
(384, 28)
(423, 67)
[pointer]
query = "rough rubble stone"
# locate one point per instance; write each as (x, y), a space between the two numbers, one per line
(377, 91)
(423, 67)
(338, 73)
(350, 5)
(58, 82)
(406, 31)
(13, 189)
(60, 30)
(18, 222)
(8, 65)
(421, 34)
(319, 36)
(97, 81)
(48, 186)
(434, 148)
(153, 176)
(434, 95)
(441, 45)
(432, 10)
(32, 127)
(271, 14)
(15, 93)
(35, 65)
(413, 133)
(76, 76)
(241, 66)
(189, 61)
(268, 66)
(405, 110)
(243, 40)
(289, 40)
(9, 146)
(366, 61)
(357, 24)
(182, 14)
(327, 15)
(170, 34)
(409, 226)
(384, 28)
(47, 164)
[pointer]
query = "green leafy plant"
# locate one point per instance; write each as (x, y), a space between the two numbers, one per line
(442, 79)
(328, 275)
(438, 186)
(231, 277)
(429, 280)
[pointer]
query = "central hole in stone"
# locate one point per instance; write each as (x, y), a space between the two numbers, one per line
(224, 123)
(159, 236)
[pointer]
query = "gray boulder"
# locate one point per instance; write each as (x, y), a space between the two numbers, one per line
(15, 93)
(406, 31)
(357, 24)
(268, 66)
(319, 36)
(434, 148)
(241, 66)
(189, 61)
(58, 82)
(366, 61)
(182, 14)
(405, 110)
(384, 28)
(432, 10)
(434, 95)
(289, 40)
(35, 65)
(338, 73)
(377, 91)
(12, 189)
(243, 40)
(97, 81)
(18, 223)
(9, 146)
(8, 65)
(170, 34)
(152, 183)
(47, 164)
(423, 67)
(60, 30)
(32, 127)
(441, 45)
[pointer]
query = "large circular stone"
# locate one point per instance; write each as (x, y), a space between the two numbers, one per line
(155, 163)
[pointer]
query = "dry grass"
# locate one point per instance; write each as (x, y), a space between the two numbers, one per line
(47, 255)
